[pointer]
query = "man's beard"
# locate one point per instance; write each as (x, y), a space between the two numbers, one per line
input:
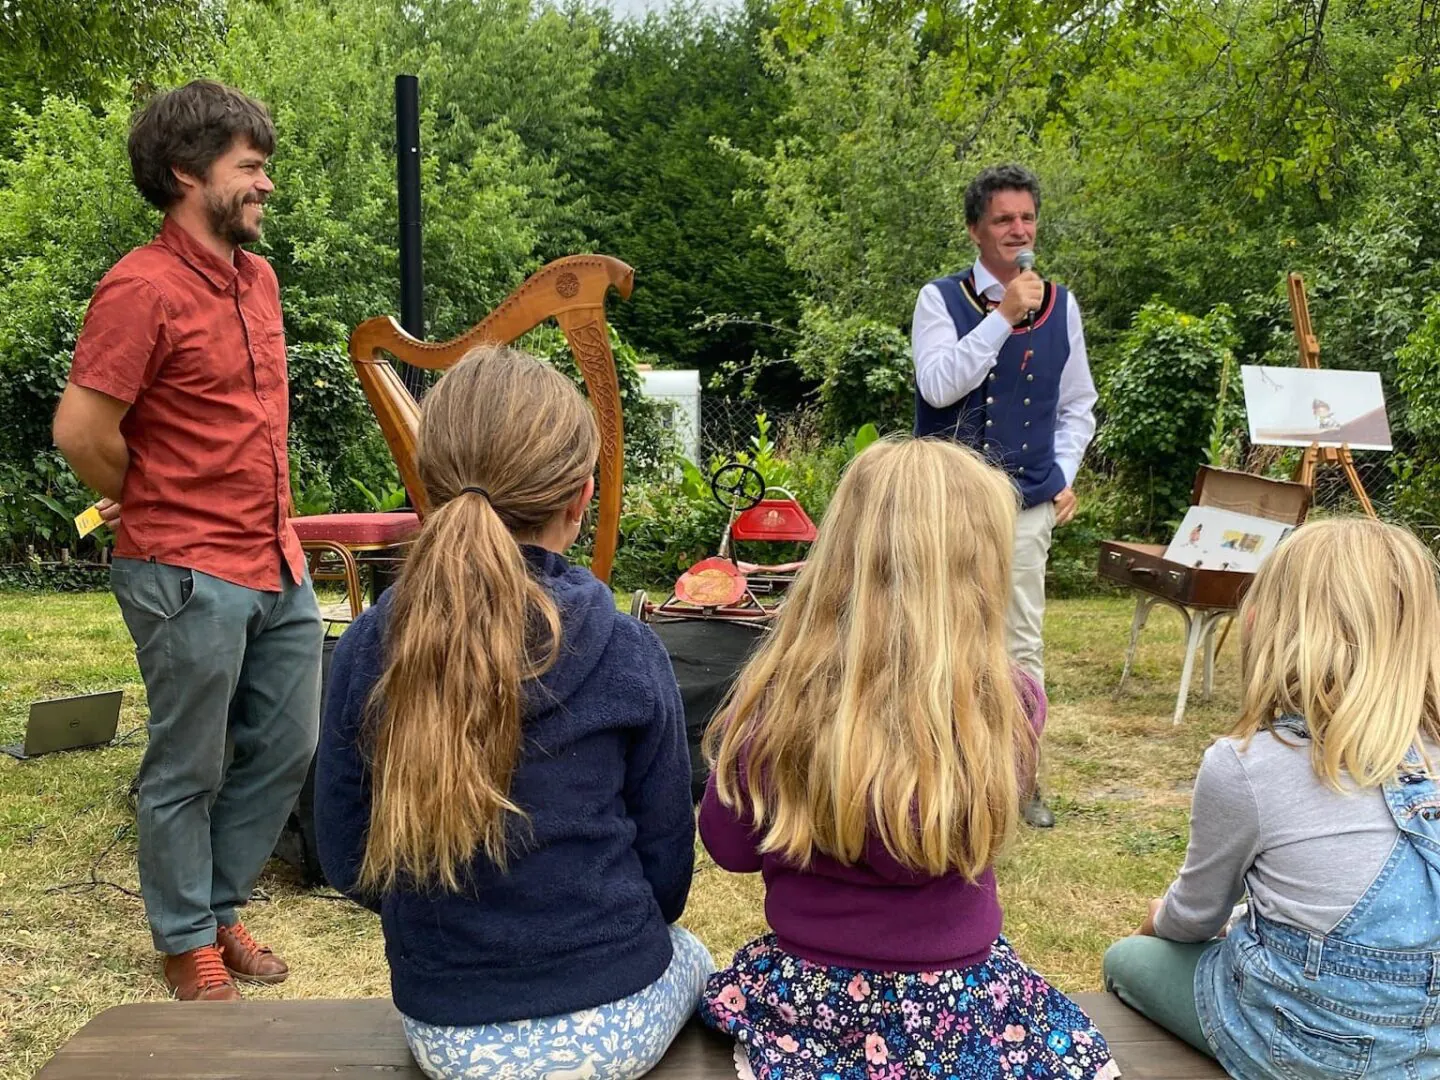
(227, 218)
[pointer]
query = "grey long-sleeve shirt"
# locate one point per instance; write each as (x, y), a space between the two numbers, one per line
(1261, 818)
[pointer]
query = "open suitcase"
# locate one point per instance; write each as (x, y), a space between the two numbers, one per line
(1205, 599)
(1143, 566)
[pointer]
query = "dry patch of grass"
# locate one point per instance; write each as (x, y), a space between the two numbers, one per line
(1118, 775)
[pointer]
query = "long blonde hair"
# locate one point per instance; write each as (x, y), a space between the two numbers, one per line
(1341, 627)
(884, 700)
(468, 624)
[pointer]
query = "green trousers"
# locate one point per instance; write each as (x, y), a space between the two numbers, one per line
(1156, 978)
(233, 680)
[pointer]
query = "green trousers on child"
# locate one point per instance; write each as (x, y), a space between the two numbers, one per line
(1156, 978)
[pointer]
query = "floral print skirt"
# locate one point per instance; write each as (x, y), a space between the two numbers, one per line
(803, 1021)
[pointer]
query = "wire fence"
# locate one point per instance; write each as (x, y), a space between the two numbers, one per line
(1380, 473)
(728, 424)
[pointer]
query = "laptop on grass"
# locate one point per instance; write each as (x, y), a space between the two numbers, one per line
(68, 724)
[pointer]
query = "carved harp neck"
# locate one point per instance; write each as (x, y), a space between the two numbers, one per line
(571, 291)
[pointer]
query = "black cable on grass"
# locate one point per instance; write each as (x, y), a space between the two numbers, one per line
(95, 881)
(257, 894)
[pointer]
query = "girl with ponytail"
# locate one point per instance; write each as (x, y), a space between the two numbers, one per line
(503, 772)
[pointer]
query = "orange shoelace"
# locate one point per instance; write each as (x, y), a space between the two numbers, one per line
(243, 939)
(210, 968)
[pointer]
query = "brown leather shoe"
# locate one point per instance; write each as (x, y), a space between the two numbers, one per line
(248, 960)
(200, 975)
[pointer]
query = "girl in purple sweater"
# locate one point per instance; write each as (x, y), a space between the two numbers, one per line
(871, 767)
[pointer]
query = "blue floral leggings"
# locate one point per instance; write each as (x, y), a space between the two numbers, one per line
(619, 1041)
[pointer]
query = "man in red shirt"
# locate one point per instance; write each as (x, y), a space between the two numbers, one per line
(176, 412)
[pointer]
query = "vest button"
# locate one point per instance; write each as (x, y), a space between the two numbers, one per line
(1027, 401)
(1027, 423)
(987, 446)
(1021, 470)
(989, 401)
(1028, 378)
(989, 423)
(1024, 446)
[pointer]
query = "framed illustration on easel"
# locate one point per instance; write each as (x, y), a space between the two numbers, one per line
(1333, 418)
(1316, 407)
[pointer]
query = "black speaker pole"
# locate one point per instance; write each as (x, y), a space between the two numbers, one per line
(407, 172)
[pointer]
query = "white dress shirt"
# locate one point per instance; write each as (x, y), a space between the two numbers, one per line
(948, 367)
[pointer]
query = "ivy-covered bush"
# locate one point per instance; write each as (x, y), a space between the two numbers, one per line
(1159, 395)
(1106, 510)
(1415, 495)
(664, 529)
(863, 369)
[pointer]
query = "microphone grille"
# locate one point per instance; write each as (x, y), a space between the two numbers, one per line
(1025, 260)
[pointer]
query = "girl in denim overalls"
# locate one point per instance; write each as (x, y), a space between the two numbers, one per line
(1322, 806)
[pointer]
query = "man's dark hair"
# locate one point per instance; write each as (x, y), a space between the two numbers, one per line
(998, 178)
(187, 129)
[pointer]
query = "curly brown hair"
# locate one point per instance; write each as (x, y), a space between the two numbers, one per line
(187, 129)
(998, 178)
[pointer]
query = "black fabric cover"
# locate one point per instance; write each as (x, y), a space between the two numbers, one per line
(296, 845)
(707, 655)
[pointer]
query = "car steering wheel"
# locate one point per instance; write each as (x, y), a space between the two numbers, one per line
(737, 487)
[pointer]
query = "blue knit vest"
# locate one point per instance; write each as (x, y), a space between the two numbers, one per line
(1010, 417)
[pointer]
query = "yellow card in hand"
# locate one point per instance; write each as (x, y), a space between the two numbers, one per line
(89, 521)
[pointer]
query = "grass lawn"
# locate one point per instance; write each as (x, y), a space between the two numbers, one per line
(1118, 774)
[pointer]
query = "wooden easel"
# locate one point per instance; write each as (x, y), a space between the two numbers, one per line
(1315, 454)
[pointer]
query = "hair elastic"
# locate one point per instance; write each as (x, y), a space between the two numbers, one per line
(475, 489)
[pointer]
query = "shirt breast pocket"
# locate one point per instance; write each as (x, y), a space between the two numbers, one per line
(208, 366)
(270, 366)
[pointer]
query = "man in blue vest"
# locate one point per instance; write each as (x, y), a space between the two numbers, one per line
(1000, 365)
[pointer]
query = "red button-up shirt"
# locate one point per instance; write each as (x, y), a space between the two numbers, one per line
(196, 346)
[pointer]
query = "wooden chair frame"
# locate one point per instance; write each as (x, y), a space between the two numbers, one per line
(572, 291)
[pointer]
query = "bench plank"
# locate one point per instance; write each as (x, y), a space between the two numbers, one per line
(1144, 1050)
(310, 1040)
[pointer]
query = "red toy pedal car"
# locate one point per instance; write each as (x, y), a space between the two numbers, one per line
(722, 587)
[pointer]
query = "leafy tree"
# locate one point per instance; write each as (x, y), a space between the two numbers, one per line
(87, 49)
(1190, 153)
(492, 206)
(664, 196)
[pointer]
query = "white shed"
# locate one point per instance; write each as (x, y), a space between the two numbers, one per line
(682, 388)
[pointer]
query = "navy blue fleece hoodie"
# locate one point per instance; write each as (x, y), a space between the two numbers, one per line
(579, 917)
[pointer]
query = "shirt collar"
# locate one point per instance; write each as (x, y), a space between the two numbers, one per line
(986, 283)
(204, 261)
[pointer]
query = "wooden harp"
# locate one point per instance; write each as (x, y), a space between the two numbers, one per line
(571, 291)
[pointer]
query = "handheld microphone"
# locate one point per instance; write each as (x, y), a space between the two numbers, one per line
(1026, 261)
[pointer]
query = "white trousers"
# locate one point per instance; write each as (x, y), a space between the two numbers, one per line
(1025, 622)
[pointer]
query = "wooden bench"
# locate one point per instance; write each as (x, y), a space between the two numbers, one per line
(308, 1040)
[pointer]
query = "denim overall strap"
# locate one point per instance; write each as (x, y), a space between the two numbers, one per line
(1385, 917)
(1361, 1001)
(1292, 725)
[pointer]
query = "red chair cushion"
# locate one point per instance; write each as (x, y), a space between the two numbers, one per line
(360, 530)
(774, 519)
